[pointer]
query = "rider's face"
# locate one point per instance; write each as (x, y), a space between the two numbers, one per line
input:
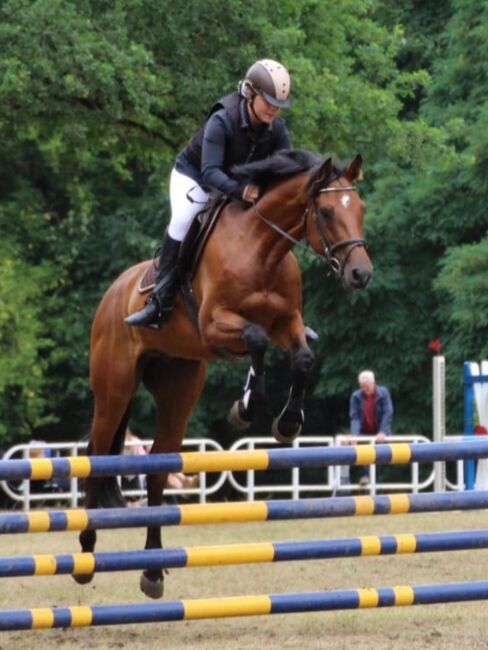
(264, 111)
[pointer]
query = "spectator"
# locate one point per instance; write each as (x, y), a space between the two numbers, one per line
(175, 481)
(133, 447)
(370, 413)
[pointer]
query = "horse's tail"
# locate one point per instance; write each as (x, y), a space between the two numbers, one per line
(108, 494)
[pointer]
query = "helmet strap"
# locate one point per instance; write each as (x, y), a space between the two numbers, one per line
(247, 90)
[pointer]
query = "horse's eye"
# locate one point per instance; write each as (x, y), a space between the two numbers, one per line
(326, 212)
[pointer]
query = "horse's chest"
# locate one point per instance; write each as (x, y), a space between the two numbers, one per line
(266, 301)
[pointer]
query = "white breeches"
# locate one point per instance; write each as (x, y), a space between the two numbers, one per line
(182, 209)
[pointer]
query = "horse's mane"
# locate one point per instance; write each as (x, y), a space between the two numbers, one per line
(284, 163)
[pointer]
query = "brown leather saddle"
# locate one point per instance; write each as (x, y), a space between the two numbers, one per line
(191, 252)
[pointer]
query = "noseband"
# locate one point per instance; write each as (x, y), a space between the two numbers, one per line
(335, 264)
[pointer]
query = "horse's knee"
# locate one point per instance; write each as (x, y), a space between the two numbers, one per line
(302, 361)
(255, 338)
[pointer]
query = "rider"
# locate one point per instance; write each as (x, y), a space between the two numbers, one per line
(241, 127)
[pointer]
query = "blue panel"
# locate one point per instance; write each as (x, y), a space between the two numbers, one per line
(62, 617)
(14, 469)
(433, 502)
(311, 508)
(382, 505)
(389, 545)
(314, 601)
(312, 457)
(58, 520)
(317, 549)
(386, 597)
(15, 619)
(453, 592)
(61, 468)
(451, 541)
(138, 613)
(65, 564)
(149, 464)
(134, 517)
(147, 559)
(17, 566)
(14, 523)
(383, 454)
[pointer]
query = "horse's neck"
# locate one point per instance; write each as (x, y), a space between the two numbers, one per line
(276, 223)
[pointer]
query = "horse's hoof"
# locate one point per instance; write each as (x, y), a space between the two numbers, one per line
(83, 578)
(234, 418)
(285, 432)
(152, 588)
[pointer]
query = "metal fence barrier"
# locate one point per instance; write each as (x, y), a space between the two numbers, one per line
(296, 482)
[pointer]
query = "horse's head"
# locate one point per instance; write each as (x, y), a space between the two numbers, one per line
(335, 222)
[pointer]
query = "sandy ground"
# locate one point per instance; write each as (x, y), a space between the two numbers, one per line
(449, 626)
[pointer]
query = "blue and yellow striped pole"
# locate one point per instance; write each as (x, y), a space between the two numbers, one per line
(218, 555)
(219, 461)
(259, 605)
(226, 513)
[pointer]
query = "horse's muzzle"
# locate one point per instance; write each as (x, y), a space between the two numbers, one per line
(358, 277)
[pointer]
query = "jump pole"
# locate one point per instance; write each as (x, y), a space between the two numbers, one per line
(259, 605)
(234, 554)
(227, 513)
(261, 459)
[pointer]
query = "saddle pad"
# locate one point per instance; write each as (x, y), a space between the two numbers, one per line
(148, 279)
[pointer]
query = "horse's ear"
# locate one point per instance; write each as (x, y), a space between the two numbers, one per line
(323, 173)
(354, 171)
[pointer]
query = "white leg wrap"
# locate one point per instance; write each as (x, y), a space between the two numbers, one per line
(247, 390)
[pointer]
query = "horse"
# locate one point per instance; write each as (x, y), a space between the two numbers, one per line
(248, 289)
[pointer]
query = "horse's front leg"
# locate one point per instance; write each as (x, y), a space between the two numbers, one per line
(244, 410)
(288, 424)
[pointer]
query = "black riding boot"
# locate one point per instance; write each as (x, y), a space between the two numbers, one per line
(160, 303)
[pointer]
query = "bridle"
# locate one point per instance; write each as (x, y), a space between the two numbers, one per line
(335, 264)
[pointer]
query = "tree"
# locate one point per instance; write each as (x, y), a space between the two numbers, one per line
(97, 98)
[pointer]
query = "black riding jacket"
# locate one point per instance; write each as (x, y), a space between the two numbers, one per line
(227, 139)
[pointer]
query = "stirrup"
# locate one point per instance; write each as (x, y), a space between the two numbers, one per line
(151, 315)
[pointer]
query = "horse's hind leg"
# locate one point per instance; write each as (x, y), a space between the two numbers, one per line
(243, 411)
(111, 413)
(176, 385)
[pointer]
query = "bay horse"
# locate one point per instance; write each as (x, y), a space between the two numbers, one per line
(248, 288)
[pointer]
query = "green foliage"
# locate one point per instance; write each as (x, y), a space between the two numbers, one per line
(22, 345)
(97, 98)
(463, 284)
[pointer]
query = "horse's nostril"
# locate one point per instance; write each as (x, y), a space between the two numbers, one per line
(361, 276)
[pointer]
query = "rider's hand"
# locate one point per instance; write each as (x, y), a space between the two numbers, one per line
(250, 193)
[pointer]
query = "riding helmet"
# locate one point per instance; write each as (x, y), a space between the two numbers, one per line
(270, 79)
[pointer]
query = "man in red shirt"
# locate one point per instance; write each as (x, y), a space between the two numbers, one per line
(370, 412)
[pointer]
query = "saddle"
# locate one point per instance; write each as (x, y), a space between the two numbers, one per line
(192, 246)
(191, 252)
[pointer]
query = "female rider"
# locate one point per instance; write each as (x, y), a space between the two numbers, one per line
(241, 127)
